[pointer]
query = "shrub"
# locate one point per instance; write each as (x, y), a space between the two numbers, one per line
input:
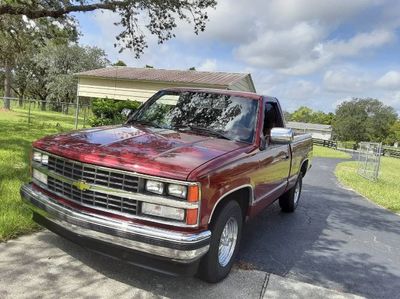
(108, 112)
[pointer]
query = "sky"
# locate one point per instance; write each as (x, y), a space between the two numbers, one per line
(304, 52)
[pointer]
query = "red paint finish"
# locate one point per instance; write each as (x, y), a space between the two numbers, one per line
(221, 166)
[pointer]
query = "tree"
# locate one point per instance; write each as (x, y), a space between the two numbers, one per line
(394, 134)
(192, 68)
(363, 120)
(59, 63)
(119, 63)
(21, 37)
(161, 16)
(303, 114)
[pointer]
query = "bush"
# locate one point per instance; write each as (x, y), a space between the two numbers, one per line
(108, 112)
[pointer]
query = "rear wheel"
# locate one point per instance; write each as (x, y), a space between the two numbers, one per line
(225, 238)
(290, 199)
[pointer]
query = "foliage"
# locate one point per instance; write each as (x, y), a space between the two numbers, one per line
(326, 152)
(385, 191)
(394, 133)
(20, 39)
(119, 63)
(61, 62)
(108, 112)
(363, 120)
(160, 17)
(307, 115)
(16, 137)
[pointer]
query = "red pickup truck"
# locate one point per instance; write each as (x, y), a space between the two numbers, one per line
(170, 189)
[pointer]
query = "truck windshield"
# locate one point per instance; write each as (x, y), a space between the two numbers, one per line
(223, 116)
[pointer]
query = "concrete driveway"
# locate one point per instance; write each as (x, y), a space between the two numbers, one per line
(336, 243)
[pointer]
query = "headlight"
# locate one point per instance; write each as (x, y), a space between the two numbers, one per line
(155, 187)
(40, 176)
(163, 211)
(41, 158)
(177, 190)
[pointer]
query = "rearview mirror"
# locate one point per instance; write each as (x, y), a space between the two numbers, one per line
(282, 135)
(126, 112)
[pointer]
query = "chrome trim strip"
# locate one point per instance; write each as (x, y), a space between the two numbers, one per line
(229, 192)
(114, 212)
(122, 193)
(270, 192)
(60, 215)
(131, 173)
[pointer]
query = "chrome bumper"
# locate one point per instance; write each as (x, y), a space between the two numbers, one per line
(175, 246)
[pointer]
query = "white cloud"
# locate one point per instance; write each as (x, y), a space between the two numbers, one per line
(303, 50)
(344, 80)
(208, 65)
(359, 42)
(280, 49)
(390, 80)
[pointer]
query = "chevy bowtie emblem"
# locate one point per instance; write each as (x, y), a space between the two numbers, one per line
(81, 185)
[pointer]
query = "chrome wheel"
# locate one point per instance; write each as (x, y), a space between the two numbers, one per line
(296, 193)
(228, 240)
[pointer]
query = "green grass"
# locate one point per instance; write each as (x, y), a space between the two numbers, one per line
(326, 152)
(16, 136)
(385, 191)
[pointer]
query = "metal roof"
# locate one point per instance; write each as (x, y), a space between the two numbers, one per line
(308, 126)
(162, 75)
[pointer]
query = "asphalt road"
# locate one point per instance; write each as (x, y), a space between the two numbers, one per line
(335, 239)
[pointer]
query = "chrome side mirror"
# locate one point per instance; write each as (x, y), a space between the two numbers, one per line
(282, 135)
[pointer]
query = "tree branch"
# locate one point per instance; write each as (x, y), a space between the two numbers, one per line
(56, 13)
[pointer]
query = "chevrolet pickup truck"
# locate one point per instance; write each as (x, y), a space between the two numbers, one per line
(170, 189)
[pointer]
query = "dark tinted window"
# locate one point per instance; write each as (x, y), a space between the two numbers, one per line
(272, 118)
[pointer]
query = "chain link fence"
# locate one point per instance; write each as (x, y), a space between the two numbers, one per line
(37, 111)
(369, 159)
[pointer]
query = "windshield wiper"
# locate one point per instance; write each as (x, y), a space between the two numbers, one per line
(203, 130)
(144, 122)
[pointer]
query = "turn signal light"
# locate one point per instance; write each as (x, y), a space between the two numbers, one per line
(193, 193)
(191, 216)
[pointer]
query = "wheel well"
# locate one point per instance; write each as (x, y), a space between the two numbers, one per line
(304, 168)
(241, 196)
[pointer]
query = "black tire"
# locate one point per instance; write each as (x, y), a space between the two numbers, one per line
(287, 201)
(210, 269)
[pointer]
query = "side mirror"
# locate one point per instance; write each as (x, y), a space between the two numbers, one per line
(282, 135)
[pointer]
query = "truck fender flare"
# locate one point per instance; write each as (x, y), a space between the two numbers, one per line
(251, 199)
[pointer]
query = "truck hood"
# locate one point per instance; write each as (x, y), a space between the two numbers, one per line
(158, 152)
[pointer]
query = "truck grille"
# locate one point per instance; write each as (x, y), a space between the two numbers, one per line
(91, 198)
(93, 175)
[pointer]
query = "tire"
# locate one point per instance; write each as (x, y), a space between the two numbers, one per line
(214, 267)
(290, 199)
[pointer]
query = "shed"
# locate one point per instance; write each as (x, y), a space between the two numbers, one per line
(317, 131)
(129, 83)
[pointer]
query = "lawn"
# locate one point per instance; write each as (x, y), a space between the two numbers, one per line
(326, 152)
(385, 191)
(16, 136)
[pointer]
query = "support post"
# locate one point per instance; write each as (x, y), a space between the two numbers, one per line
(77, 106)
(29, 111)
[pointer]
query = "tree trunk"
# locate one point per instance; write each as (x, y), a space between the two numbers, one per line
(7, 85)
(43, 105)
(20, 100)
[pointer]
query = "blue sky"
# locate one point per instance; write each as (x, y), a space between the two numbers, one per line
(305, 52)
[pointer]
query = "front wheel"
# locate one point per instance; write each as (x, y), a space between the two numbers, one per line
(290, 199)
(225, 238)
